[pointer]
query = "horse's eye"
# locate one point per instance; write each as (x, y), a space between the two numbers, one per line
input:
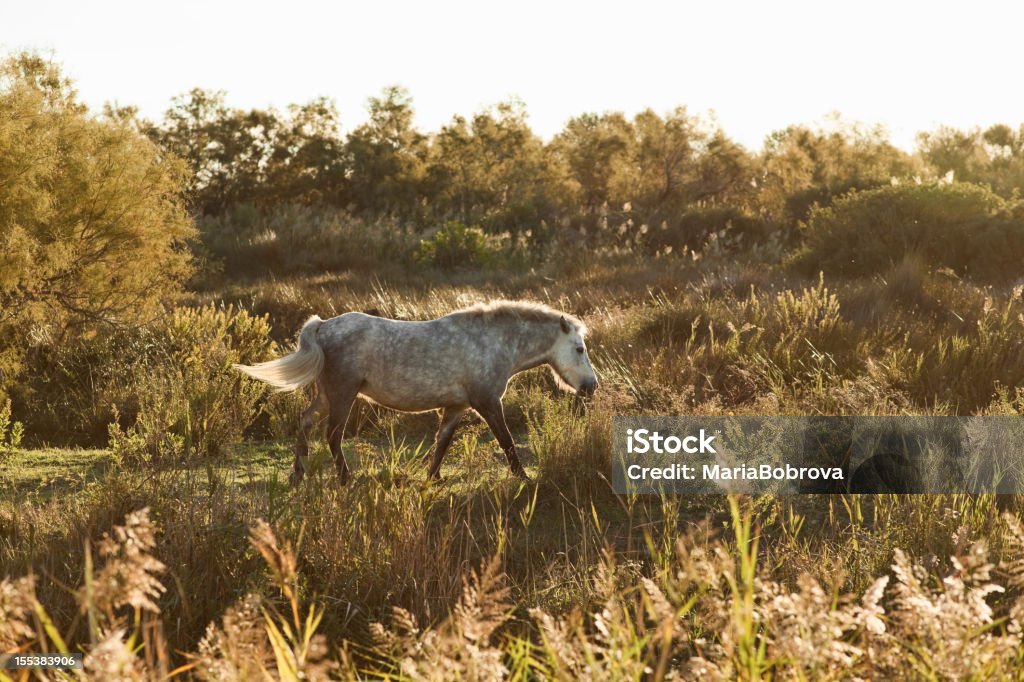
(579, 349)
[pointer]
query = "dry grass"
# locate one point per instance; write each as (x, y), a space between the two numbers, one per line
(717, 607)
(186, 570)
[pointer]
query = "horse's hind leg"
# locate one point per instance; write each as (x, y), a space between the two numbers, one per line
(341, 400)
(449, 422)
(305, 426)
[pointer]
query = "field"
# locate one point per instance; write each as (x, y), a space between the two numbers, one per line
(481, 576)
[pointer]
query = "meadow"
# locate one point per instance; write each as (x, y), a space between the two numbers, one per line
(482, 576)
(146, 520)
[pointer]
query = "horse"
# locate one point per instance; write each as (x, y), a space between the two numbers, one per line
(462, 361)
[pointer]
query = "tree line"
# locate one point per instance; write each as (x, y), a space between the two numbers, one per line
(492, 170)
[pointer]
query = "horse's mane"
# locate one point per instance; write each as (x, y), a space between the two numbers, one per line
(521, 310)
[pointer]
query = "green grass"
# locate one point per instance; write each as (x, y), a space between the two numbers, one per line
(45, 472)
(48, 471)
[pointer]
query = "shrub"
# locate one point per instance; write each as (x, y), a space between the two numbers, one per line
(294, 238)
(169, 383)
(800, 203)
(960, 226)
(69, 390)
(11, 432)
(190, 398)
(456, 245)
(728, 226)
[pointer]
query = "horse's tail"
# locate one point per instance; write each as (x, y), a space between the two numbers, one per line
(297, 369)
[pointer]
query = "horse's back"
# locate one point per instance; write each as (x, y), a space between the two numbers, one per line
(354, 332)
(406, 365)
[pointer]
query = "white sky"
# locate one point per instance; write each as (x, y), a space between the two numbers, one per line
(759, 65)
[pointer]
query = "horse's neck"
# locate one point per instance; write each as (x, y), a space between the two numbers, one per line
(529, 346)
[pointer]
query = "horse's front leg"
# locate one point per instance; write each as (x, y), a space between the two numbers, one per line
(493, 413)
(446, 429)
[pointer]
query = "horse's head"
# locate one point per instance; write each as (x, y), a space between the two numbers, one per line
(570, 361)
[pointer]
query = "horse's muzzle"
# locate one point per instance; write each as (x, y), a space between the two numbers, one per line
(587, 388)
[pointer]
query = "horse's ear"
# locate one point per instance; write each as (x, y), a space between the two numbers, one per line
(565, 324)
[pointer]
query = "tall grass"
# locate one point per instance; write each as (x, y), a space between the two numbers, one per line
(238, 576)
(718, 608)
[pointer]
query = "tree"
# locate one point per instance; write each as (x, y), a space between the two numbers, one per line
(801, 167)
(597, 150)
(993, 157)
(682, 161)
(189, 132)
(92, 220)
(722, 173)
(962, 152)
(665, 155)
(385, 157)
(493, 171)
(259, 157)
(307, 163)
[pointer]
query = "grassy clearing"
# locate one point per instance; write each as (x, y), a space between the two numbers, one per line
(52, 470)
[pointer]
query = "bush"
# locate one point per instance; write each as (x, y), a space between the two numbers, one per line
(293, 238)
(11, 432)
(960, 226)
(190, 398)
(456, 245)
(728, 226)
(70, 390)
(799, 204)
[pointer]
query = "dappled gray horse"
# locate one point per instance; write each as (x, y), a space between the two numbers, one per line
(457, 362)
